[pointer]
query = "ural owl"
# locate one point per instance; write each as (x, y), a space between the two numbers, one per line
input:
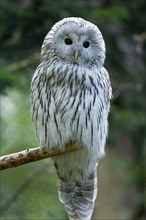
(70, 97)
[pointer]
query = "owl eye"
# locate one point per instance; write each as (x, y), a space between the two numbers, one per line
(68, 41)
(86, 44)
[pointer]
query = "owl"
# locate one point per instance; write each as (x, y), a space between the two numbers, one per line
(70, 100)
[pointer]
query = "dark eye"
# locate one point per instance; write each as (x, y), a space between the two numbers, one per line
(68, 41)
(86, 44)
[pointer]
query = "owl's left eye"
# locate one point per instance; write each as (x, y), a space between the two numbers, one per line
(86, 44)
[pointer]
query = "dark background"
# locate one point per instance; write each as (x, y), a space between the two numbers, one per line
(30, 191)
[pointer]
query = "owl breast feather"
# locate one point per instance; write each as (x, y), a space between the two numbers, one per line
(71, 104)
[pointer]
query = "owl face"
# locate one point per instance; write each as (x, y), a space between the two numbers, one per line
(78, 42)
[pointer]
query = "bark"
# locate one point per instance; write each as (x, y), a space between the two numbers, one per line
(31, 155)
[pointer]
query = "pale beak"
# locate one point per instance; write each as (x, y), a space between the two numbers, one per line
(75, 56)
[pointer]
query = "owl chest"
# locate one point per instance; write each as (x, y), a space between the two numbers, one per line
(69, 104)
(62, 104)
(65, 113)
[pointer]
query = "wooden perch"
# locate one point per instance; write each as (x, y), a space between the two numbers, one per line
(31, 155)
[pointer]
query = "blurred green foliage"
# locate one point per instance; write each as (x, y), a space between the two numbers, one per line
(24, 25)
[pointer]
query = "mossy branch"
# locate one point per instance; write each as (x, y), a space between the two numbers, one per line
(31, 155)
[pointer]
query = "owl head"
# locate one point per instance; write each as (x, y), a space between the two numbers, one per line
(75, 41)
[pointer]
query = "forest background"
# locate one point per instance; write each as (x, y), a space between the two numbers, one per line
(30, 191)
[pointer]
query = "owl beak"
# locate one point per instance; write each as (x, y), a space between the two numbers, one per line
(75, 56)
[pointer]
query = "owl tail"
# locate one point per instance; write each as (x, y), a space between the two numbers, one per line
(79, 198)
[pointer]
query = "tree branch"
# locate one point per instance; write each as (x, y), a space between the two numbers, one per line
(31, 155)
(23, 63)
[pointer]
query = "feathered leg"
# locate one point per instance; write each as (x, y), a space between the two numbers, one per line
(84, 197)
(66, 192)
(79, 198)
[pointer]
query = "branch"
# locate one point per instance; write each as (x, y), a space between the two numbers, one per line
(23, 63)
(31, 155)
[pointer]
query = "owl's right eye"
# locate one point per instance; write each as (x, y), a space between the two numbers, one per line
(68, 41)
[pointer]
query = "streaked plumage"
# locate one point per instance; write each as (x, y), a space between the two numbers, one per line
(70, 96)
